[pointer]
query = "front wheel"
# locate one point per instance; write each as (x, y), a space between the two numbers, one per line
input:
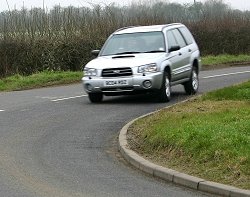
(95, 97)
(165, 91)
(191, 87)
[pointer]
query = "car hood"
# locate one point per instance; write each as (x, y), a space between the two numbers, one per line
(130, 60)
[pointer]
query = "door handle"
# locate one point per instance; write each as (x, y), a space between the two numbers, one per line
(189, 50)
(180, 53)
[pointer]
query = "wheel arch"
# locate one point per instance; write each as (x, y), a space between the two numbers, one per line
(196, 65)
(167, 69)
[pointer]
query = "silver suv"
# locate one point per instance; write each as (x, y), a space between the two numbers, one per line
(144, 59)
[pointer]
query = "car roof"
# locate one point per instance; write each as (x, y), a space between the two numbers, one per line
(151, 28)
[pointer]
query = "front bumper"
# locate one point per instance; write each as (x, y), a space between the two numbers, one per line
(135, 83)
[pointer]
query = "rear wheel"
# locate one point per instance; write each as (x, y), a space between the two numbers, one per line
(191, 87)
(95, 97)
(165, 91)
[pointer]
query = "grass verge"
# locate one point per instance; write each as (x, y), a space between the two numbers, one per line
(208, 137)
(43, 79)
(224, 61)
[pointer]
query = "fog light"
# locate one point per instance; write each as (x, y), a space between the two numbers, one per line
(88, 87)
(147, 84)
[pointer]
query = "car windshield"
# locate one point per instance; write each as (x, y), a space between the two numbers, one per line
(142, 42)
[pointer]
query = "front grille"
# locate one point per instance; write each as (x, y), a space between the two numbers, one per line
(116, 72)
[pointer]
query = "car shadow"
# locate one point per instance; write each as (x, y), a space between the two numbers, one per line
(140, 99)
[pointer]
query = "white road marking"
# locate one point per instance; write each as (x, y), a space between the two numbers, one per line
(1, 110)
(222, 75)
(46, 97)
(72, 97)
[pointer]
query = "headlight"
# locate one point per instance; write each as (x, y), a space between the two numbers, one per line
(89, 72)
(147, 68)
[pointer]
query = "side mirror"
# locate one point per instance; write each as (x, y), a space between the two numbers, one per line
(95, 52)
(174, 48)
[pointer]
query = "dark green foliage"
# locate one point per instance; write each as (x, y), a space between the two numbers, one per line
(62, 38)
(20, 57)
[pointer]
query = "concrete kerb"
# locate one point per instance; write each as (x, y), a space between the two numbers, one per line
(171, 175)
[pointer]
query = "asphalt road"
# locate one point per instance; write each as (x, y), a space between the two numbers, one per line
(55, 143)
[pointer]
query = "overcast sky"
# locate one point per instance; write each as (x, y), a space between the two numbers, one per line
(238, 4)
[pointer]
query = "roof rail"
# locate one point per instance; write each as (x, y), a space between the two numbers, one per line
(166, 25)
(170, 24)
(125, 28)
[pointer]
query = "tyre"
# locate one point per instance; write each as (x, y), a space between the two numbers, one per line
(191, 87)
(95, 97)
(165, 91)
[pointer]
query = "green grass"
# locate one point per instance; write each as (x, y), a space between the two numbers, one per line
(208, 137)
(224, 59)
(43, 79)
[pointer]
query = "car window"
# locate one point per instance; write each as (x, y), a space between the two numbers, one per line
(171, 40)
(187, 35)
(179, 38)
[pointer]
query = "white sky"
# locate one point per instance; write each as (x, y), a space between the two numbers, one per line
(18, 4)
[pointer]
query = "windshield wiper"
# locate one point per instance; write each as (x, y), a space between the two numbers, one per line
(127, 52)
(154, 51)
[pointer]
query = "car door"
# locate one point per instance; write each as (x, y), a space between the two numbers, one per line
(176, 57)
(183, 69)
(173, 56)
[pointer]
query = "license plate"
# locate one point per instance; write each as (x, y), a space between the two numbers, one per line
(122, 82)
